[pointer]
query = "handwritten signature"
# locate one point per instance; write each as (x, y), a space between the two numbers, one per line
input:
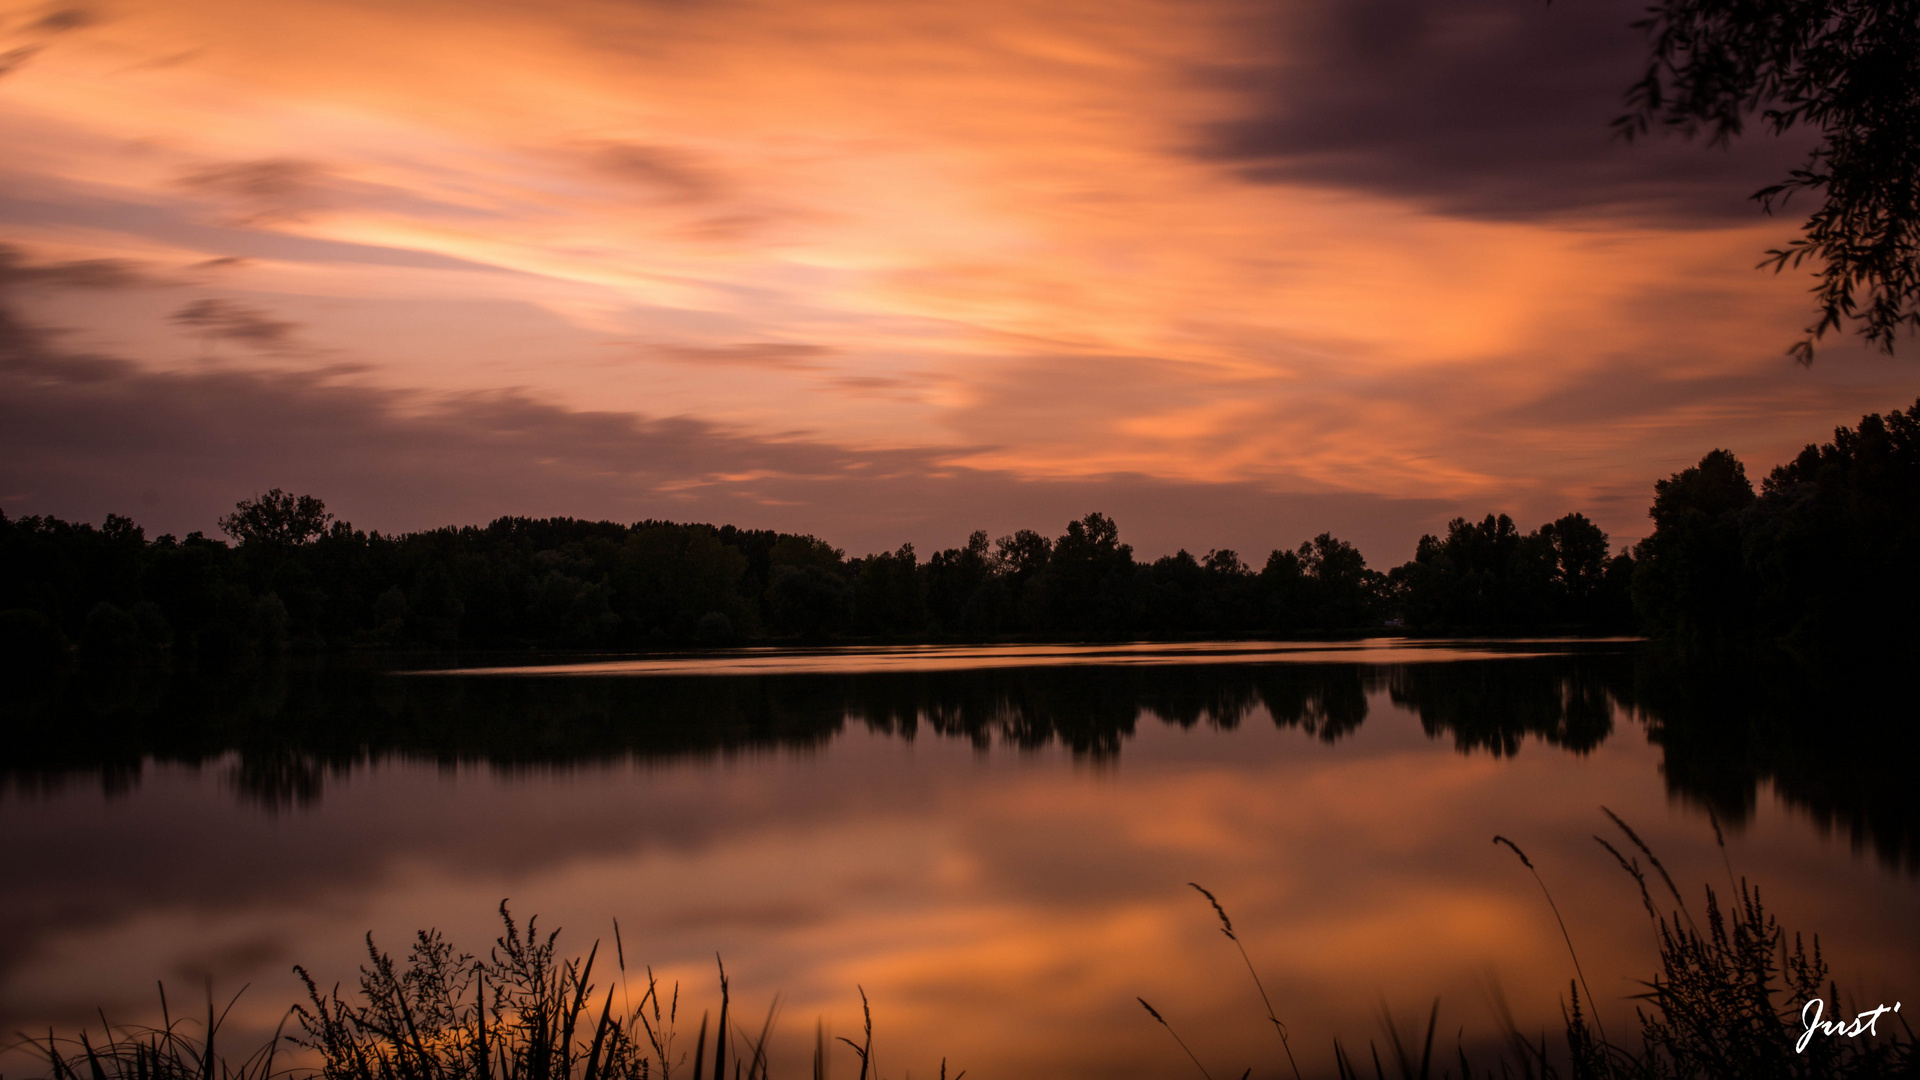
(1862, 1024)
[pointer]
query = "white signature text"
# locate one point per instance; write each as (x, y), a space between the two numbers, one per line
(1859, 1025)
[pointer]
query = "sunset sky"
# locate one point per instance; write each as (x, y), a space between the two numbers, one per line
(1234, 273)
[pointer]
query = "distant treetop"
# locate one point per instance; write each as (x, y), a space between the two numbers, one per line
(277, 519)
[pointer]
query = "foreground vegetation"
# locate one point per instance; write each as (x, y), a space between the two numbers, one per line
(1731, 999)
(524, 1012)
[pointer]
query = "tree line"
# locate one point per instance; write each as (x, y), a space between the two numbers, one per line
(1820, 554)
(293, 578)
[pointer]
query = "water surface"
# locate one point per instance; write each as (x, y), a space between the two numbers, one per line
(994, 843)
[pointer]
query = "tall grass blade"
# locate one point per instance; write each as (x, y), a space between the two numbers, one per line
(93, 1059)
(720, 1039)
(757, 1064)
(206, 1059)
(1155, 1013)
(1226, 927)
(599, 1038)
(1571, 951)
(481, 1062)
(865, 1052)
(1651, 858)
(700, 1047)
(1720, 841)
(1639, 876)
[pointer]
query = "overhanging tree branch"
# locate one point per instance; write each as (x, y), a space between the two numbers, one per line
(1851, 70)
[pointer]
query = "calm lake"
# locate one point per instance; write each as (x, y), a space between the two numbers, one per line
(995, 843)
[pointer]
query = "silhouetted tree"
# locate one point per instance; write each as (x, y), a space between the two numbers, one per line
(1580, 555)
(564, 608)
(1488, 576)
(967, 593)
(1174, 592)
(1023, 554)
(277, 518)
(808, 551)
(1478, 576)
(1844, 68)
(1690, 582)
(1231, 601)
(1283, 582)
(669, 578)
(1341, 592)
(1832, 544)
(1216, 595)
(1085, 589)
(889, 595)
(808, 602)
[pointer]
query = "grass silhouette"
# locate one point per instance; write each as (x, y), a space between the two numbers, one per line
(1725, 1002)
(521, 1013)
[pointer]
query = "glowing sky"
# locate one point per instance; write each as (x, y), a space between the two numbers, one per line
(1233, 273)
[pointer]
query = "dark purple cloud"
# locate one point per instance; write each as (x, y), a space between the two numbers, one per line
(1491, 109)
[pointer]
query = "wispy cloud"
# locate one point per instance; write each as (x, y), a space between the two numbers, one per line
(62, 19)
(671, 173)
(780, 356)
(275, 189)
(40, 31)
(75, 273)
(286, 190)
(11, 59)
(214, 318)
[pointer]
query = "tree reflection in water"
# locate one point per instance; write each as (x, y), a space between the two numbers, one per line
(1839, 751)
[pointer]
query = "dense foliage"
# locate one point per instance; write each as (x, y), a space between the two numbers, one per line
(1489, 576)
(1823, 562)
(295, 581)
